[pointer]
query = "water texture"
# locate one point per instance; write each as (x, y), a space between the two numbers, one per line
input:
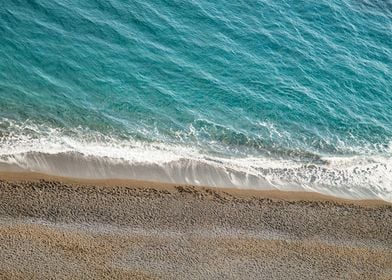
(292, 95)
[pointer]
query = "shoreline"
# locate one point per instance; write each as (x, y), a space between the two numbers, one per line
(239, 192)
(344, 180)
(62, 228)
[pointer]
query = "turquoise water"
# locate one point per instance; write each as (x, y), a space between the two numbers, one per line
(293, 95)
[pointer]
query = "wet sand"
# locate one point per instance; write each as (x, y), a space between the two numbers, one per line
(58, 228)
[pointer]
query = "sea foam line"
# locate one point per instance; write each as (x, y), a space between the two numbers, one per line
(85, 154)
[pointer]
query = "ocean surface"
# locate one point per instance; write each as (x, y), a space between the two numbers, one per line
(289, 95)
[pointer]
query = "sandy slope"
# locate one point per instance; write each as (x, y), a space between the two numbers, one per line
(73, 229)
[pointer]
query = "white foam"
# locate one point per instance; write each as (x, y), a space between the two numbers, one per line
(87, 154)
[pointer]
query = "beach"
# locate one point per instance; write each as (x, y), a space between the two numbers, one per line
(196, 139)
(62, 228)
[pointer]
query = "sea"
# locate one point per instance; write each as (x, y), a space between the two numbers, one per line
(251, 94)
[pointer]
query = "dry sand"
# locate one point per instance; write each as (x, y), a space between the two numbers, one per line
(57, 228)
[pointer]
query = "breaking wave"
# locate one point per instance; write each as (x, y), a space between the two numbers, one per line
(95, 156)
